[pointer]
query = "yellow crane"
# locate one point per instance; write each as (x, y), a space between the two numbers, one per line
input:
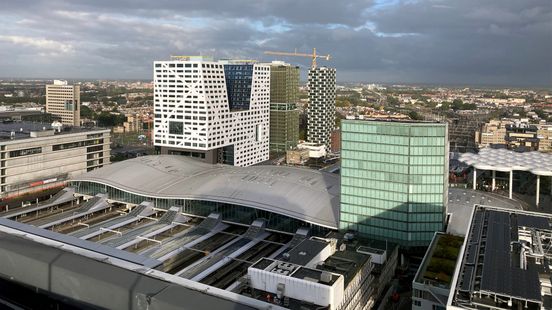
(314, 56)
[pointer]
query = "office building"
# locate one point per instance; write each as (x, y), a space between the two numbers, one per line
(321, 109)
(394, 179)
(37, 156)
(170, 232)
(515, 134)
(216, 111)
(504, 262)
(284, 115)
(284, 126)
(284, 82)
(63, 101)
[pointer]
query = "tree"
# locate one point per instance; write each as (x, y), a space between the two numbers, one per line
(415, 115)
(106, 119)
(457, 104)
(86, 112)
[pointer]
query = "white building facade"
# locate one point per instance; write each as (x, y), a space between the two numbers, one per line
(321, 110)
(217, 111)
(63, 101)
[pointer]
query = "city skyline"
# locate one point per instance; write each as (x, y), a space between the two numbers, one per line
(445, 42)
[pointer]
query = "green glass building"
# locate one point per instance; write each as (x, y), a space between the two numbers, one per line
(394, 179)
(284, 126)
(284, 115)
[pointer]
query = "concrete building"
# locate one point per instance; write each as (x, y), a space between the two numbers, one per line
(321, 109)
(394, 179)
(133, 122)
(216, 111)
(515, 134)
(63, 101)
(37, 156)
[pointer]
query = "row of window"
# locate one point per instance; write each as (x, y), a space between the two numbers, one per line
(395, 129)
(385, 176)
(393, 168)
(435, 198)
(360, 205)
(25, 152)
(393, 187)
(72, 145)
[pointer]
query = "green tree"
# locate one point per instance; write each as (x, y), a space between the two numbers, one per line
(86, 112)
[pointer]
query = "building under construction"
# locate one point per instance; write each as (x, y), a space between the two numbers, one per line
(284, 115)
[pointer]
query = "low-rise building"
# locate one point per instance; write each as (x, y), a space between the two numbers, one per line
(36, 156)
(515, 134)
(504, 262)
(297, 157)
(431, 285)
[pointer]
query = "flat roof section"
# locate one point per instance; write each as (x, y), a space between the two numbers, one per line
(504, 264)
(440, 260)
(10, 131)
(461, 203)
(304, 194)
(305, 251)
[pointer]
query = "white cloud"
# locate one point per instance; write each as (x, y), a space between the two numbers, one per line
(44, 45)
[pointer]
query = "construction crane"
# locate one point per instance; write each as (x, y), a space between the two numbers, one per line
(314, 56)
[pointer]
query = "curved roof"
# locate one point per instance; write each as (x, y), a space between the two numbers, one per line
(505, 160)
(308, 195)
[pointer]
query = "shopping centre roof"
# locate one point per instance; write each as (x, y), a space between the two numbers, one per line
(505, 160)
(308, 195)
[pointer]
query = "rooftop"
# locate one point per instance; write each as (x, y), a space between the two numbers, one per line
(308, 195)
(24, 130)
(504, 264)
(305, 251)
(461, 203)
(505, 160)
(438, 265)
(397, 121)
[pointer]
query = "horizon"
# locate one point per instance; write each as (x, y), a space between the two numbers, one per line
(304, 81)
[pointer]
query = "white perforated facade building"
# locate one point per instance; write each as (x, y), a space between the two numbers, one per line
(214, 110)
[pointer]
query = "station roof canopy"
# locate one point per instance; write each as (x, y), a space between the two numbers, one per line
(506, 160)
(304, 194)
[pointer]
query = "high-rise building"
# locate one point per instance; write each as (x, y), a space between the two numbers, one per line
(63, 101)
(284, 115)
(217, 111)
(284, 82)
(284, 126)
(394, 179)
(321, 110)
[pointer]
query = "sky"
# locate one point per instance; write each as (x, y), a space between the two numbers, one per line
(456, 42)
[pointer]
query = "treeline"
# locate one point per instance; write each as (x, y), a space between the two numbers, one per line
(104, 118)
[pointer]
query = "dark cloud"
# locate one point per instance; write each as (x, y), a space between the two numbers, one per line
(426, 41)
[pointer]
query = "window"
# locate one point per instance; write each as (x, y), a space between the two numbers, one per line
(176, 128)
(72, 145)
(25, 152)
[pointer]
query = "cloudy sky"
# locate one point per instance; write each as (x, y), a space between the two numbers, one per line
(488, 42)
